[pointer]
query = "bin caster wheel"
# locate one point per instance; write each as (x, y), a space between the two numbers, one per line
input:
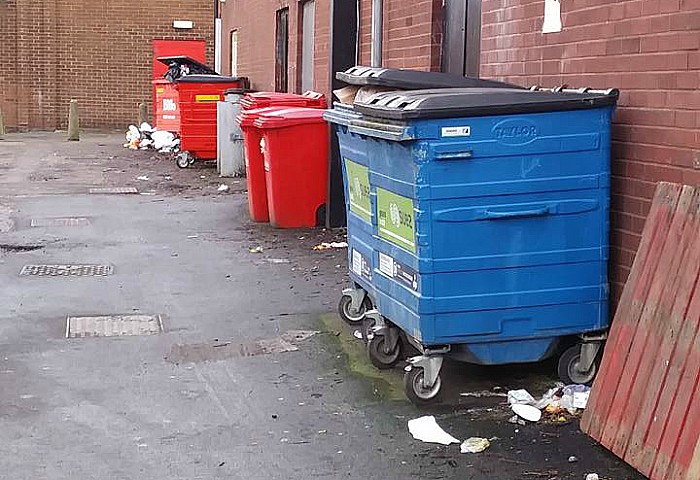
(418, 393)
(183, 160)
(568, 370)
(350, 315)
(378, 354)
(367, 329)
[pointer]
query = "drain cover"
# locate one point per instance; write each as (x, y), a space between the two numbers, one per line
(113, 326)
(60, 222)
(114, 190)
(66, 270)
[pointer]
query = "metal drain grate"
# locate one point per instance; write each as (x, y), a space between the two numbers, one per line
(113, 326)
(114, 190)
(66, 270)
(60, 222)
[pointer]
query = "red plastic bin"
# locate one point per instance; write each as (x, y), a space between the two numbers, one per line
(275, 99)
(295, 147)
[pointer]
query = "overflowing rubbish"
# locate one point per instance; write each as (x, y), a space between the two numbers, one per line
(527, 412)
(427, 430)
(521, 397)
(328, 246)
(146, 137)
(474, 445)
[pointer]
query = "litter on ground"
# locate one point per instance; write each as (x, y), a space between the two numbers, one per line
(327, 246)
(527, 412)
(427, 430)
(474, 445)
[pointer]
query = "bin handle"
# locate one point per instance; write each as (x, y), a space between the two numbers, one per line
(464, 154)
(535, 212)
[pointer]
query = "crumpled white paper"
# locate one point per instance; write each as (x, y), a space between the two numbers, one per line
(427, 430)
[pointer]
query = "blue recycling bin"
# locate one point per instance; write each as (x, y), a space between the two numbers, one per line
(487, 221)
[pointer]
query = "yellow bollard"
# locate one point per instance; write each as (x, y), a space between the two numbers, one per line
(73, 122)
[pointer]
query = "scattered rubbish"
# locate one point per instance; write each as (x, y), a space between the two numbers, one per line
(516, 420)
(527, 412)
(277, 260)
(474, 445)
(483, 394)
(427, 430)
(143, 178)
(223, 188)
(573, 459)
(567, 401)
(258, 249)
(146, 137)
(202, 176)
(328, 246)
(357, 334)
(592, 476)
(581, 399)
(520, 397)
(192, 236)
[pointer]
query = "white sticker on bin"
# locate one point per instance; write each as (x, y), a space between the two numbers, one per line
(386, 265)
(356, 262)
(461, 131)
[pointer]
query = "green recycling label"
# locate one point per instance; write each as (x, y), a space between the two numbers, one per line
(358, 189)
(396, 219)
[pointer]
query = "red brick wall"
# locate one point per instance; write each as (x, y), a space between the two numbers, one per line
(650, 49)
(96, 52)
(255, 22)
(412, 34)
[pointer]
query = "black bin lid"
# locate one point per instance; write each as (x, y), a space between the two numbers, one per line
(476, 102)
(412, 79)
(194, 65)
(206, 79)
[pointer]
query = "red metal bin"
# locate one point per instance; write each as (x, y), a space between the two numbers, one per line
(186, 105)
(254, 163)
(295, 146)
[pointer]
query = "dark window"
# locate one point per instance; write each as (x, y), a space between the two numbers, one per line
(282, 50)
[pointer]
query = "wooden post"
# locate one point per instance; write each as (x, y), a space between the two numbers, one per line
(2, 125)
(143, 113)
(73, 122)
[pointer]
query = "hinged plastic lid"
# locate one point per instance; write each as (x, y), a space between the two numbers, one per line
(247, 118)
(475, 102)
(289, 117)
(193, 65)
(412, 79)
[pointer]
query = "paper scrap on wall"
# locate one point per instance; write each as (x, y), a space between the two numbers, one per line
(552, 16)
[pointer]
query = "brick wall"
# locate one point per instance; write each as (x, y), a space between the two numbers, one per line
(255, 22)
(412, 34)
(97, 52)
(650, 49)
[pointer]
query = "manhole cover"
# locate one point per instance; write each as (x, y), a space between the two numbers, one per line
(66, 270)
(113, 326)
(60, 222)
(114, 190)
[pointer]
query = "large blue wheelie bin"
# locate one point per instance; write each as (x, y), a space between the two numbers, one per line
(489, 211)
(359, 297)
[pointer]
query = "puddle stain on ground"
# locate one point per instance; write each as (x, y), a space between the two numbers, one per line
(217, 350)
(386, 385)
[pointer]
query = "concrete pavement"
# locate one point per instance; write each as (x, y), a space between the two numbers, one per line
(130, 407)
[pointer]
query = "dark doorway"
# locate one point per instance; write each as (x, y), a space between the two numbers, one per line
(462, 45)
(282, 50)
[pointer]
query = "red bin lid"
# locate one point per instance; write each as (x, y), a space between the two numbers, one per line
(289, 117)
(268, 99)
(247, 117)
